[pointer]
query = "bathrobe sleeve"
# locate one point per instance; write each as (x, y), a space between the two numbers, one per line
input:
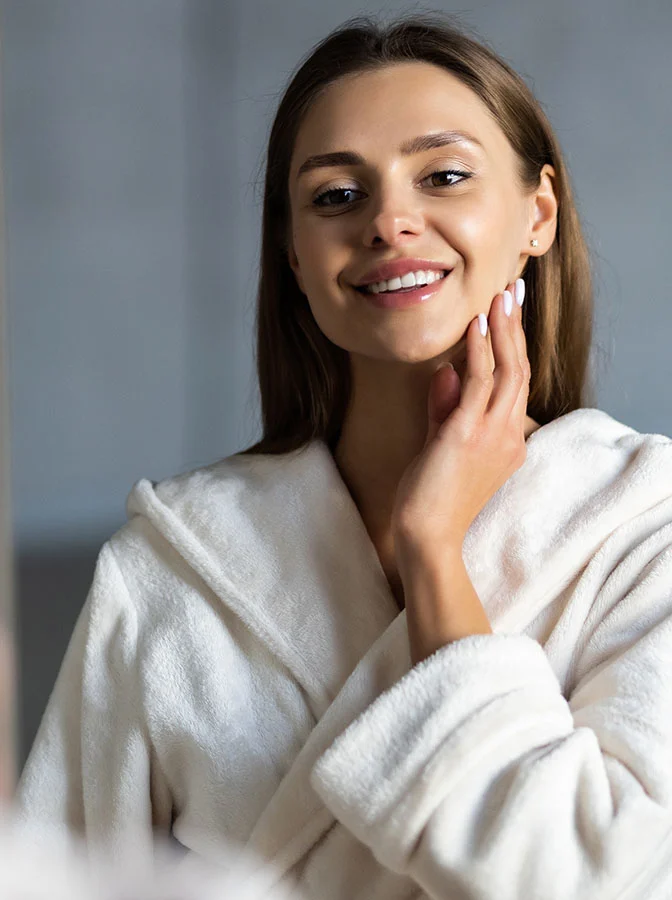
(89, 772)
(475, 776)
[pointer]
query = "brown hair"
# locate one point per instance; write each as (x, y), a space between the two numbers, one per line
(304, 378)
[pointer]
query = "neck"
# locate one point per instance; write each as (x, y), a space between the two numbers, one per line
(384, 429)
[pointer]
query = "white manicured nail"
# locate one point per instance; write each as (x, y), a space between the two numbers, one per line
(508, 302)
(483, 323)
(520, 291)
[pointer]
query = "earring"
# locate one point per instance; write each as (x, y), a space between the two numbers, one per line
(534, 242)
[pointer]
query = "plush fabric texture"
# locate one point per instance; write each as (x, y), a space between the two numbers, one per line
(241, 672)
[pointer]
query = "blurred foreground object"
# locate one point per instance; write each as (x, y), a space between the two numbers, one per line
(7, 754)
(47, 870)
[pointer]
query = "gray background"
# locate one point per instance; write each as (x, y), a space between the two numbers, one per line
(133, 135)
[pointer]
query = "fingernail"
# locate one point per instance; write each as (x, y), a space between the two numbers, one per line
(520, 291)
(483, 323)
(508, 302)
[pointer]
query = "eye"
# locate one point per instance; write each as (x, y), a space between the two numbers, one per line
(462, 176)
(320, 200)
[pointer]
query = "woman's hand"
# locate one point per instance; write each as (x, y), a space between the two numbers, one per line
(475, 440)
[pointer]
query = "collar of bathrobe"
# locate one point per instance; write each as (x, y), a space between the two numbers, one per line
(301, 571)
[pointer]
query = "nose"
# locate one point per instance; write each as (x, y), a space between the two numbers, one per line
(394, 215)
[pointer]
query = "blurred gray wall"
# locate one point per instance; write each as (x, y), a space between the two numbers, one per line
(133, 132)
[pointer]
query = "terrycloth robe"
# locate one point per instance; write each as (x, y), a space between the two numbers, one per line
(241, 671)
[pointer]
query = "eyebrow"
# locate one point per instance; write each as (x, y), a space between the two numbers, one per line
(408, 148)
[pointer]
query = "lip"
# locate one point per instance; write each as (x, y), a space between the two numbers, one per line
(395, 268)
(399, 300)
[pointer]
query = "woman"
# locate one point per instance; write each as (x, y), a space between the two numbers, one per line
(416, 641)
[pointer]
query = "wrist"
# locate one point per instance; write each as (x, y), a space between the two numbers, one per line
(429, 574)
(428, 557)
(441, 603)
(414, 536)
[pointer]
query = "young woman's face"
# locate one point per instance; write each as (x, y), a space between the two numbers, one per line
(475, 221)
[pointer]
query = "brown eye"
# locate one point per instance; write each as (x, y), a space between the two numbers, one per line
(452, 172)
(329, 199)
(318, 201)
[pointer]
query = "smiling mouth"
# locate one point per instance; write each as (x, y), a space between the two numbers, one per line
(363, 289)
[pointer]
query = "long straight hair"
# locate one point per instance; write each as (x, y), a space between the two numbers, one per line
(304, 378)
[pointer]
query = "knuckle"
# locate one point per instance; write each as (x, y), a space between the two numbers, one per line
(471, 433)
(467, 433)
(461, 428)
(485, 381)
(512, 445)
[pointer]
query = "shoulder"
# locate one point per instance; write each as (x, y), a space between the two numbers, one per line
(584, 475)
(588, 449)
(206, 525)
(596, 426)
(234, 483)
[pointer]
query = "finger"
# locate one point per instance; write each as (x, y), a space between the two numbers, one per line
(444, 394)
(508, 372)
(520, 407)
(443, 398)
(478, 380)
(519, 333)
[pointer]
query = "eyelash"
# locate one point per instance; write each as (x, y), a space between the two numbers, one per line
(464, 175)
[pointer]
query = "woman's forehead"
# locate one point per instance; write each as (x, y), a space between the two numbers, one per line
(414, 87)
(400, 103)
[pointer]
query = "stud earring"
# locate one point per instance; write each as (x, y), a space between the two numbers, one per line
(534, 242)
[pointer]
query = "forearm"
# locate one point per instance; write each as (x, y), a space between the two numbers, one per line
(441, 603)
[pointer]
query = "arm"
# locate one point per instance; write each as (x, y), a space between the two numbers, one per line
(475, 776)
(441, 604)
(89, 770)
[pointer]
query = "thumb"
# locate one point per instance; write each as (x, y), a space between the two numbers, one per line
(444, 396)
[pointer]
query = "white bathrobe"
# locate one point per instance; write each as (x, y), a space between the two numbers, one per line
(241, 671)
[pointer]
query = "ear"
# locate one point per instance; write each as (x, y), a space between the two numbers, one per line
(294, 265)
(543, 214)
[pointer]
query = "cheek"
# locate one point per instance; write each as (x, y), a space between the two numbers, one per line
(311, 248)
(480, 224)
(483, 233)
(322, 255)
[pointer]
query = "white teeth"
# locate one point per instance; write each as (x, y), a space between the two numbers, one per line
(408, 280)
